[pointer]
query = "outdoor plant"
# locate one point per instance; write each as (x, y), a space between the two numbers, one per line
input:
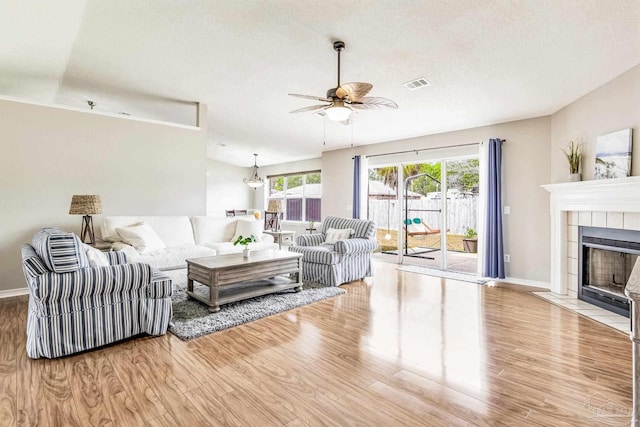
(470, 241)
(470, 234)
(573, 156)
(244, 241)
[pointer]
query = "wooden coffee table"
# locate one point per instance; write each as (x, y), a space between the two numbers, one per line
(233, 278)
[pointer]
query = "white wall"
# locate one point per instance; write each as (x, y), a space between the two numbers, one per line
(611, 107)
(50, 154)
(225, 189)
(525, 168)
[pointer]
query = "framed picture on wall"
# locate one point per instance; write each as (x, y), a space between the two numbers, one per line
(613, 155)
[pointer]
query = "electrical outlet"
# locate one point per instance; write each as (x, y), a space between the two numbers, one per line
(507, 258)
(507, 210)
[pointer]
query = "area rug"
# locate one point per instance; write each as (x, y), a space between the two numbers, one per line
(446, 274)
(192, 319)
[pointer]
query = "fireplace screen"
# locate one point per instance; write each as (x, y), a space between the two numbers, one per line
(605, 261)
(608, 270)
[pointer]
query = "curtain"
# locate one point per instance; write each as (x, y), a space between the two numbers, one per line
(356, 187)
(493, 250)
(482, 203)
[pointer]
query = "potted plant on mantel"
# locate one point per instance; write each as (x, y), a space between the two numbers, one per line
(244, 241)
(470, 241)
(574, 157)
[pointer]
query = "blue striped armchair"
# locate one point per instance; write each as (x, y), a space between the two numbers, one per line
(336, 263)
(74, 307)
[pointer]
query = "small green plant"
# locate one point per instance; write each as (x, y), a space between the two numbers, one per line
(244, 241)
(470, 234)
(573, 156)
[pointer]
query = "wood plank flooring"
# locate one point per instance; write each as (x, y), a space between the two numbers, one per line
(402, 349)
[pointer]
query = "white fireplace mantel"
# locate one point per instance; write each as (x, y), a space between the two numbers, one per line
(612, 195)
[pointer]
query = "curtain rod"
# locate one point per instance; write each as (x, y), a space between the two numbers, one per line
(423, 149)
(294, 173)
(427, 149)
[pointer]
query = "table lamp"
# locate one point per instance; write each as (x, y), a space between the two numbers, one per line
(86, 205)
(276, 206)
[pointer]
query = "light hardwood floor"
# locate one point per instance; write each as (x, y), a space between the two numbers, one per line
(401, 349)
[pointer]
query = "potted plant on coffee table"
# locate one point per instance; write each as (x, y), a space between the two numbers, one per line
(244, 241)
(470, 241)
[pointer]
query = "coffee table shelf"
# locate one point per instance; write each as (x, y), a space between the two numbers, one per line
(232, 278)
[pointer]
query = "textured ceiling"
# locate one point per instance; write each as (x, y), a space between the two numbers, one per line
(488, 62)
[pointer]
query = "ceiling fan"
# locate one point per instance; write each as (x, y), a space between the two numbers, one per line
(344, 98)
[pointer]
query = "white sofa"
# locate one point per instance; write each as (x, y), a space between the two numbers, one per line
(185, 237)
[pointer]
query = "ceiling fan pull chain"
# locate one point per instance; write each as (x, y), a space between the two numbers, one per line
(351, 135)
(324, 131)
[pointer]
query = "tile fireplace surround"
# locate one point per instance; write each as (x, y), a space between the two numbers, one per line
(613, 203)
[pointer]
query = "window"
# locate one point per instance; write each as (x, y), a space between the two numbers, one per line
(301, 193)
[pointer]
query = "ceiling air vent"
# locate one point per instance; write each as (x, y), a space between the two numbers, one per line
(417, 83)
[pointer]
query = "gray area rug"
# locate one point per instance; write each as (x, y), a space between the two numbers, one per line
(464, 277)
(192, 319)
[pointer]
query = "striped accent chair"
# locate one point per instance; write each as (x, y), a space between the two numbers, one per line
(336, 263)
(82, 307)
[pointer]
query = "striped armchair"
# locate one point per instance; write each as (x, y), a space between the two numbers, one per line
(336, 263)
(74, 307)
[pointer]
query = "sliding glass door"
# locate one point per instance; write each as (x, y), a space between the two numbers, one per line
(426, 213)
(462, 182)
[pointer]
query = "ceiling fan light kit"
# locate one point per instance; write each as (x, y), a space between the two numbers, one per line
(338, 113)
(344, 98)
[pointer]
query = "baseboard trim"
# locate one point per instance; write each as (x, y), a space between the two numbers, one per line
(526, 282)
(14, 293)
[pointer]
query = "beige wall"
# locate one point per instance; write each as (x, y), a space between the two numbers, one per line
(525, 168)
(49, 154)
(611, 107)
(225, 188)
(149, 168)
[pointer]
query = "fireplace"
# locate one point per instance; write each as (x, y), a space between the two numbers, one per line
(605, 260)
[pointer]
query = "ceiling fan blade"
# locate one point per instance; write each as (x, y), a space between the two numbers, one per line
(315, 98)
(373, 103)
(311, 108)
(353, 91)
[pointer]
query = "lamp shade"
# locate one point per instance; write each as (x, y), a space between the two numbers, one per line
(275, 205)
(338, 114)
(254, 183)
(85, 204)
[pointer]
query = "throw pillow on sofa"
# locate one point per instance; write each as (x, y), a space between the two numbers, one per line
(246, 228)
(142, 237)
(335, 234)
(96, 257)
(60, 251)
